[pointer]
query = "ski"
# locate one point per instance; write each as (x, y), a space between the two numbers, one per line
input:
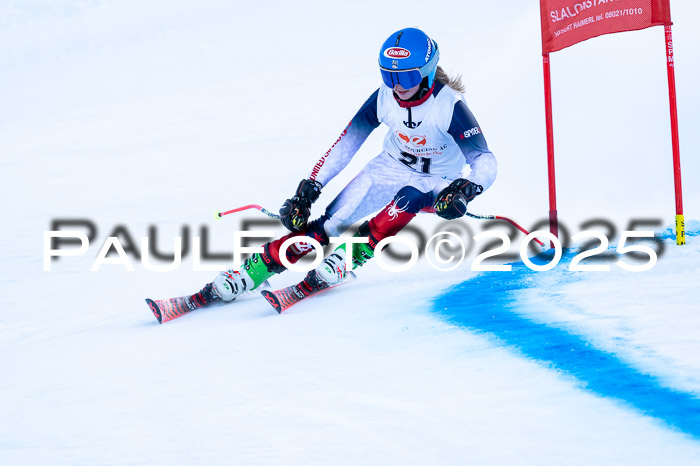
(169, 309)
(285, 298)
(172, 308)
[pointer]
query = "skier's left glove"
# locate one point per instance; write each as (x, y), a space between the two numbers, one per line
(295, 212)
(452, 201)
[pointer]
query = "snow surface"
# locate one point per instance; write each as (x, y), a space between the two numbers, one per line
(163, 112)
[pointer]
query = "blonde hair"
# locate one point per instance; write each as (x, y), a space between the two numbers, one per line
(454, 82)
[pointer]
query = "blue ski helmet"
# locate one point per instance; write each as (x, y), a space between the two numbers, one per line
(407, 57)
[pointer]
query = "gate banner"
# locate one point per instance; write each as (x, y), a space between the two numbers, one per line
(568, 22)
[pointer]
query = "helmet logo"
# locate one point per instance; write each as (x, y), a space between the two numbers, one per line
(397, 52)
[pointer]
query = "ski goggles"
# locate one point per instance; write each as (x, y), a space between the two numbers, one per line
(411, 77)
(406, 78)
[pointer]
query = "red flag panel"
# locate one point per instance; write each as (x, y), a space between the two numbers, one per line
(568, 22)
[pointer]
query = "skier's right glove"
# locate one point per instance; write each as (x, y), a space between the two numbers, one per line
(295, 212)
(452, 201)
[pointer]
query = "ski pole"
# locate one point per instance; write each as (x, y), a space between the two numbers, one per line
(497, 217)
(246, 207)
(481, 217)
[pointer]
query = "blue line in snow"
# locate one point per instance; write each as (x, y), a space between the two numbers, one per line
(487, 303)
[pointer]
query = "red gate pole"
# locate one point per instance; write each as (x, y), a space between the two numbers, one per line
(553, 220)
(680, 223)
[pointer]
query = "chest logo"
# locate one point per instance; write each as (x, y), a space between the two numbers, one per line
(418, 141)
(415, 141)
(403, 137)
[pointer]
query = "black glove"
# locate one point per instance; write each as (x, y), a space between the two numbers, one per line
(452, 201)
(295, 212)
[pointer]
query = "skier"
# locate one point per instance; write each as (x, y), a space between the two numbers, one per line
(432, 137)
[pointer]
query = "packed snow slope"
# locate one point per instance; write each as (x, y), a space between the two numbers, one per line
(144, 118)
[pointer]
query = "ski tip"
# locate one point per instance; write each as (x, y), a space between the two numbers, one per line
(272, 299)
(155, 309)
